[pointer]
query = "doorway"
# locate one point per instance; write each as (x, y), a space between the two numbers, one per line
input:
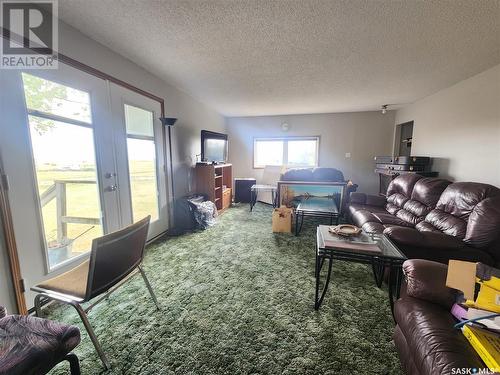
(404, 137)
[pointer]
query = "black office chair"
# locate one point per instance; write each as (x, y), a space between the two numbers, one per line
(113, 259)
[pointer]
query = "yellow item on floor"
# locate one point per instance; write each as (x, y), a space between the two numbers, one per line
(486, 344)
(479, 283)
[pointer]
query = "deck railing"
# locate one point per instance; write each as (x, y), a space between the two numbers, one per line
(57, 191)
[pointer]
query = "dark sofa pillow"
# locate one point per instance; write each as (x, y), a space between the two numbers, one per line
(327, 175)
(298, 174)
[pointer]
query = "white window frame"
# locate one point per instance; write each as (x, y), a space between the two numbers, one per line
(285, 141)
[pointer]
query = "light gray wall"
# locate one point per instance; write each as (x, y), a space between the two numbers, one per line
(192, 115)
(460, 128)
(363, 134)
(7, 297)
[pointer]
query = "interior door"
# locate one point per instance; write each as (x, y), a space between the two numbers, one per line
(140, 158)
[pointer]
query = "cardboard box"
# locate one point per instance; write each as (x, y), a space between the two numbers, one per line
(282, 220)
(479, 283)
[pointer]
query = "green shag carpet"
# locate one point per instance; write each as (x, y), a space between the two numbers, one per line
(238, 299)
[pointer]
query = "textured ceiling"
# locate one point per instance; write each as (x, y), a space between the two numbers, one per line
(264, 57)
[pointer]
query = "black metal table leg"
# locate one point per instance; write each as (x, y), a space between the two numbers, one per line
(253, 199)
(399, 277)
(297, 214)
(378, 272)
(318, 299)
(395, 275)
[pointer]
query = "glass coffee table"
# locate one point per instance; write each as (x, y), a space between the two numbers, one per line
(255, 189)
(377, 250)
(315, 207)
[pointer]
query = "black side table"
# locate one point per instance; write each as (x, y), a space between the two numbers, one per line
(389, 256)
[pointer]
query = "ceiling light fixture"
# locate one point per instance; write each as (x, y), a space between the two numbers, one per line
(384, 109)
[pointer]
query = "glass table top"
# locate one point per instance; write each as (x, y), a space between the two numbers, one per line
(367, 244)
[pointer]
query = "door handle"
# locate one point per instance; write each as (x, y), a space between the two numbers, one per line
(110, 175)
(112, 188)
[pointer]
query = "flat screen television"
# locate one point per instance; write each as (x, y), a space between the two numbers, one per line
(213, 147)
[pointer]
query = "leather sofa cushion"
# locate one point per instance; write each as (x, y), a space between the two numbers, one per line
(426, 280)
(430, 240)
(484, 223)
(354, 207)
(386, 218)
(424, 226)
(395, 202)
(405, 355)
(428, 190)
(361, 217)
(376, 228)
(423, 199)
(403, 185)
(435, 345)
(447, 223)
(460, 198)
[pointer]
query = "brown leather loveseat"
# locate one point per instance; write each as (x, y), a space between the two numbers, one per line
(424, 336)
(432, 218)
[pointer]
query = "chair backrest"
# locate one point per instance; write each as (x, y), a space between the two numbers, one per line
(114, 256)
(271, 174)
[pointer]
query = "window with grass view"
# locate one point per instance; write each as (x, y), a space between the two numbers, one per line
(290, 152)
(62, 142)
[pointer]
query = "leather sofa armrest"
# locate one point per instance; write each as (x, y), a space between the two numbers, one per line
(426, 280)
(430, 240)
(362, 198)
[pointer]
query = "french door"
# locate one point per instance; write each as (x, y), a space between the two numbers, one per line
(140, 158)
(84, 157)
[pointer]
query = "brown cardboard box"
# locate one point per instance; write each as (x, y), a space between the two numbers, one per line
(479, 283)
(282, 220)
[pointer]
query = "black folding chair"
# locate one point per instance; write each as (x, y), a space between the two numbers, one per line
(114, 258)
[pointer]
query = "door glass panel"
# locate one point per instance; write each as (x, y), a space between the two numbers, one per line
(139, 121)
(65, 171)
(55, 99)
(141, 151)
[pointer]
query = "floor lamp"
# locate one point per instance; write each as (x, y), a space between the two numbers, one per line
(168, 122)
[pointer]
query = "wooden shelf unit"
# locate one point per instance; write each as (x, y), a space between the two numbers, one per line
(211, 179)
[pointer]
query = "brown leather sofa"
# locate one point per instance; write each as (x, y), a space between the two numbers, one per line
(424, 336)
(432, 218)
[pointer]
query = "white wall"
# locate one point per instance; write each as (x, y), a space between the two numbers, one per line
(460, 128)
(363, 134)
